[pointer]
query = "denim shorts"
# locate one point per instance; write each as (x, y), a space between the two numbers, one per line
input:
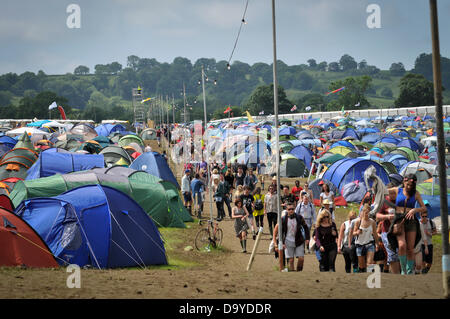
(392, 256)
(362, 250)
(291, 252)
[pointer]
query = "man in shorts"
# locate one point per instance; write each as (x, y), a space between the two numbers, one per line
(295, 235)
(186, 190)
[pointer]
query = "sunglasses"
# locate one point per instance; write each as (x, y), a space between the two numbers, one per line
(410, 179)
(290, 209)
(326, 216)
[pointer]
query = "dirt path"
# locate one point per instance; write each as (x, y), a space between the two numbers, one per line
(218, 274)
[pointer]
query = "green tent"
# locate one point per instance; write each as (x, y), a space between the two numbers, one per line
(407, 152)
(24, 141)
(148, 134)
(290, 166)
(329, 158)
(159, 199)
(363, 144)
(115, 153)
(16, 162)
(286, 146)
(342, 150)
(389, 167)
(426, 188)
(387, 147)
(127, 139)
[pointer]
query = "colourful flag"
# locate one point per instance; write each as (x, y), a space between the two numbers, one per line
(308, 108)
(261, 113)
(148, 99)
(343, 110)
(227, 110)
(250, 119)
(359, 103)
(336, 91)
(293, 108)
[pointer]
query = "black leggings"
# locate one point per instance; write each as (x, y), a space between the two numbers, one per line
(227, 202)
(350, 258)
(272, 220)
(328, 258)
(220, 210)
(259, 220)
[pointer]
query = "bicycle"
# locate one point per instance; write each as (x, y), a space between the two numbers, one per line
(209, 236)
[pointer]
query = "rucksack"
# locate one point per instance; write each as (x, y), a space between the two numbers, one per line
(259, 204)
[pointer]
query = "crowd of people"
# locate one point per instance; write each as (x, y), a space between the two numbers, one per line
(397, 237)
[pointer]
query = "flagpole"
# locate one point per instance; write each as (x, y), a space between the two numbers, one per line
(277, 144)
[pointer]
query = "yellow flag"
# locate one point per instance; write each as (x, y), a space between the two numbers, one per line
(250, 119)
(148, 99)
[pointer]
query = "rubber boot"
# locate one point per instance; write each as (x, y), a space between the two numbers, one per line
(244, 245)
(410, 267)
(402, 263)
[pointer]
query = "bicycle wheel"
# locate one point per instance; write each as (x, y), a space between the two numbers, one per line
(202, 240)
(218, 237)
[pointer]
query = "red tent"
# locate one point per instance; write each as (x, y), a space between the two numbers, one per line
(21, 245)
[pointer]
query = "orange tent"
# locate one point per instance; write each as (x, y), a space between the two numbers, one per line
(21, 245)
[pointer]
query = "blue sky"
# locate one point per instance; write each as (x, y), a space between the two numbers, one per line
(34, 35)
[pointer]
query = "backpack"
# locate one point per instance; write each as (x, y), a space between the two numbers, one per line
(259, 204)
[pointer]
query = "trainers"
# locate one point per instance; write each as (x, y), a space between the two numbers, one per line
(254, 236)
(285, 270)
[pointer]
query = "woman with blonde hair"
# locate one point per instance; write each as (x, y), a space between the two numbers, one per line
(326, 235)
(365, 230)
(239, 191)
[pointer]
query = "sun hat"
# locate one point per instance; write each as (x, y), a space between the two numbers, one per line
(326, 201)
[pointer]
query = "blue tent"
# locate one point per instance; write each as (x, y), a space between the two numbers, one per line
(106, 129)
(433, 204)
(337, 134)
(58, 161)
(287, 131)
(397, 159)
(6, 144)
(303, 154)
(95, 225)
(352, 133)
(305, 136)
(155, 164)
(343, 143)
(372, 138)
(354, 192)
(390, 139)
(410, 143)
(348, 170)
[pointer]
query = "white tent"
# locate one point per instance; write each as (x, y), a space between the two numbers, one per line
(21, 130)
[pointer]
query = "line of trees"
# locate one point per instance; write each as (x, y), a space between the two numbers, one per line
(245, 86)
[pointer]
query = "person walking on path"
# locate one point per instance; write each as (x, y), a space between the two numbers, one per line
(186, 190)
(219, 196)
(326, 241)
(258, 213)
(327, 194)
(250, 180)
(247, 200)
(296, 190)
(404, 232)
(347, 249)
(295, 235)
(306, 191)
(429, 229)
(240, 215)
(365, 231)
(270, 208)
(197, 187)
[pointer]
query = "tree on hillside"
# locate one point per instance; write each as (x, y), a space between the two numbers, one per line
(114, 67)
(133, 62)
(5, 98)
(387, 92)
(314, 100)
(262, 99)
(397, 69)
(302, 81)
(354, 93)
(362, 65)
(312, 63)
(348, 63)
(415, 90)
(81, 70)
(424, 66)
(322, 66)
(334, 67)
(30, 107)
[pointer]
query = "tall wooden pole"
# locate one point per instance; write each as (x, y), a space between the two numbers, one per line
(437, 78)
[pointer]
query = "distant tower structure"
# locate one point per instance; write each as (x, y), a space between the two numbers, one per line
(138, 107)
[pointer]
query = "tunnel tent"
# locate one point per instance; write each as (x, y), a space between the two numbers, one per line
(148, 134)
(97, 226)
(58, 161)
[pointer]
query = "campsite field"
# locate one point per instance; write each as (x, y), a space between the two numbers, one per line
(220, 273)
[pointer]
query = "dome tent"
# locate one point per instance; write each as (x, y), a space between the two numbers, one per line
(95, 225)
(352, 169)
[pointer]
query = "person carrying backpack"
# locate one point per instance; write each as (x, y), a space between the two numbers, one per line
(258, 213)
